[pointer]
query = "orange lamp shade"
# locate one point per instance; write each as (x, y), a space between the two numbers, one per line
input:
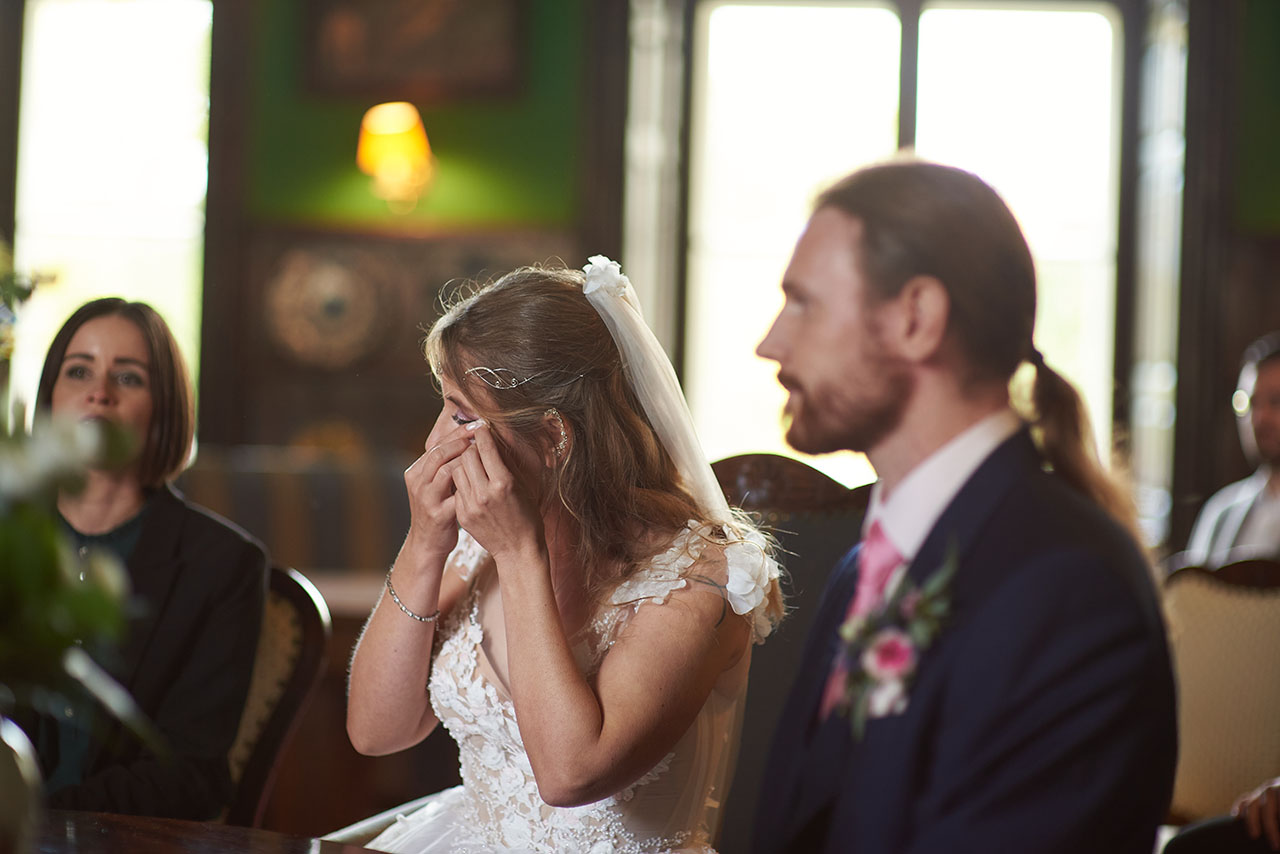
(393, 148)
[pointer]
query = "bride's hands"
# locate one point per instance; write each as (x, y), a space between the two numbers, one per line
(433, 521)
(489, 502)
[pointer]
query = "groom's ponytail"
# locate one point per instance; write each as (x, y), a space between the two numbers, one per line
(1061, 429)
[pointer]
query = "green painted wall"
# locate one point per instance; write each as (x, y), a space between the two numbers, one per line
(499, 161)
(1258, 152)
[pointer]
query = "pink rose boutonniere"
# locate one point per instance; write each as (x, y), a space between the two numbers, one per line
(882, 649)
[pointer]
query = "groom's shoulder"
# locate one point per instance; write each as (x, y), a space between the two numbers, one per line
(1046, 528)
(1021, 508)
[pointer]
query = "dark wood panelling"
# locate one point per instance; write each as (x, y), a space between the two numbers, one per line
(223, 369)
(11, 22)
(1134, 17)
(1207, 453)
(605, 117)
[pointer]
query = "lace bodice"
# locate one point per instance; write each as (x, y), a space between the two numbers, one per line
(672, 807)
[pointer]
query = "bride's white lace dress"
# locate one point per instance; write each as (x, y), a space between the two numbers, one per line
(672, 808)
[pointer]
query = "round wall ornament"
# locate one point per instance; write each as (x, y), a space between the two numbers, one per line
(327, 311)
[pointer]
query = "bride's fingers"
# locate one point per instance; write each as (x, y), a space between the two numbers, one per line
(478, 476)
(489, 456)
(441, 485)
(463, 487)
(441, 453)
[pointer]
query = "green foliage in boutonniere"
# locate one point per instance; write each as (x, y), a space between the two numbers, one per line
(882, 649)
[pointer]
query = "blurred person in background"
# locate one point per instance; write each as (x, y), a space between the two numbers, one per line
(1243, 519)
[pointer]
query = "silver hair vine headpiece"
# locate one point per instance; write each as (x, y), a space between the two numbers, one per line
(505, 378)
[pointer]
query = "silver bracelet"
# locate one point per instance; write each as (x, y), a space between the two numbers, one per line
(400, 605)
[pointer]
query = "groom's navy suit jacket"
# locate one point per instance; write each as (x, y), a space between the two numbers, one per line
(1042, 719)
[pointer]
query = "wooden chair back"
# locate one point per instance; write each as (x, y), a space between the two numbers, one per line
(291, 653)
(816, 520)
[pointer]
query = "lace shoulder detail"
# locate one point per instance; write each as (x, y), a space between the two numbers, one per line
(665, 573)
(467, 556)
(744, 578)
(749, 573)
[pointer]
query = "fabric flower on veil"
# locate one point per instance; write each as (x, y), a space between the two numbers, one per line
(604, 273)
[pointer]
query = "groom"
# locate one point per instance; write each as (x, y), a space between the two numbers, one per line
(988, 671)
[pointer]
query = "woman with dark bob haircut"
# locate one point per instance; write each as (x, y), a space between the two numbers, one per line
(198, 582)
(574, 594)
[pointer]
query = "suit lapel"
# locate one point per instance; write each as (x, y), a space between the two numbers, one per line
(821, 648)
(810, 760)
(962, 521)
(872, 791)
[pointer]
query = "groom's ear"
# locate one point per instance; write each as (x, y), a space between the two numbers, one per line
(917, 318)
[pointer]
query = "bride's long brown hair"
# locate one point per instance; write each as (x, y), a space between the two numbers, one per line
(615, 478)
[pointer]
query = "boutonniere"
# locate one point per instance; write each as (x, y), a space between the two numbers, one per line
(881, 649)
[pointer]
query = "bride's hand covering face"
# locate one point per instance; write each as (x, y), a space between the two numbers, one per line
(493, 504)
(433, 524)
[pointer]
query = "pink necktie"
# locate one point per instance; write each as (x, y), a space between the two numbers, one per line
(876, 562)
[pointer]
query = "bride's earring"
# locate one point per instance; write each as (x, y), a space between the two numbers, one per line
(564, 437)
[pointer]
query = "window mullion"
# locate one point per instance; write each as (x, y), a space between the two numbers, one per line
(908, 71)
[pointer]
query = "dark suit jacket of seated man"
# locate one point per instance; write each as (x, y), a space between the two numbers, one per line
(1041, 717)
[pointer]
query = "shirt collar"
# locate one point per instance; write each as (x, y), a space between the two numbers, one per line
(910, 512)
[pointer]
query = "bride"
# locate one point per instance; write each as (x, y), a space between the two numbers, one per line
(574, 593)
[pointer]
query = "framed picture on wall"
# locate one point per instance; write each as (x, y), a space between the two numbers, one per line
(415, 50)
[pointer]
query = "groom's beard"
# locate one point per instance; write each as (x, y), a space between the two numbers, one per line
(853, 410)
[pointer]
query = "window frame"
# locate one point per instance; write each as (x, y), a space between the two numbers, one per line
(1132, 15)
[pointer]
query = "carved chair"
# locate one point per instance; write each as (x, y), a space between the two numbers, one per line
(815, 520)
(291, 653)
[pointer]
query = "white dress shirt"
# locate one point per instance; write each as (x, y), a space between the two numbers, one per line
(910, 512)
(1261, 528)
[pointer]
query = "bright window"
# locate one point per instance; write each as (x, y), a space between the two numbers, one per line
(112, 164)
(1045, 137)
(767, 137)
(788, 98)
